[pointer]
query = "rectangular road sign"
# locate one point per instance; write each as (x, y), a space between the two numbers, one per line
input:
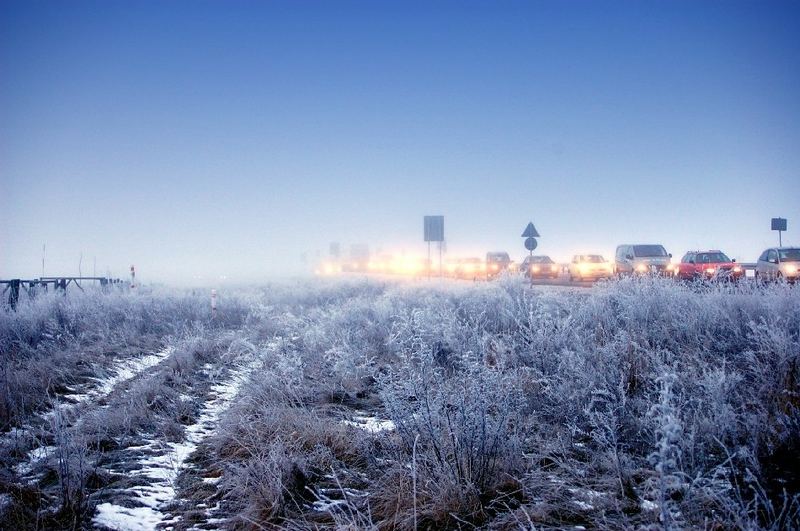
(434, 228)
(778, 224)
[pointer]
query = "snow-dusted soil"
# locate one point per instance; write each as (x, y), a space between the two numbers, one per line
(157, 464)
(68, 408)
(121, 373)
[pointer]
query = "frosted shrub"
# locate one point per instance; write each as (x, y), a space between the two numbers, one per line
(668, 481)
(459, 426)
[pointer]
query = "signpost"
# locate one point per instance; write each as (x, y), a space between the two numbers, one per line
(530, 234)
(779, 224)
(434, 232)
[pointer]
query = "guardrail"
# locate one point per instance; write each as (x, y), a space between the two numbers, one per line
(29, 286)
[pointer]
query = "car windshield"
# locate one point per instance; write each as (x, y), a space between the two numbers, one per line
(789, 255)
(592, 258)
(712, 258)
(498, 257)
(647, 251)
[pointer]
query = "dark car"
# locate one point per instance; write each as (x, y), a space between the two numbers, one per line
(539, 267)
(708, 265)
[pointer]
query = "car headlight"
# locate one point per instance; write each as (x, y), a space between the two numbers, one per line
(791, 270)
(641, 268)
(553, 268)
(535, 269)
(710, 270)
(737, 269)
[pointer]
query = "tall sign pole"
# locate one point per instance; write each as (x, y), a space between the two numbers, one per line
(779, 224)
(434, 232)
(530, 234)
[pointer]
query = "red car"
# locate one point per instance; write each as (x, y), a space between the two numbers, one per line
(708, 265)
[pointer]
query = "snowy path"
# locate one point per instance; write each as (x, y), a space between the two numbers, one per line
(121, 373)
(146, 505)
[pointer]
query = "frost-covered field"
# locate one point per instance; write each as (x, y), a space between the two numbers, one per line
(353, 404)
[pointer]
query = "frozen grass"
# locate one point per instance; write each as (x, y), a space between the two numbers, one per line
(637, 404)
(521, 408)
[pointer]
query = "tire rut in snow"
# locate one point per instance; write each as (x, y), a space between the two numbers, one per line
(155, 465)
(70, 407)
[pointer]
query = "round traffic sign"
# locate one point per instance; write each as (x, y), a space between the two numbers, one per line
(530, 243)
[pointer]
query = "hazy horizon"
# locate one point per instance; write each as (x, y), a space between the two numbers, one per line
(208, 139)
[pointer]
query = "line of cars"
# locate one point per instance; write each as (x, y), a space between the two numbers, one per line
(775, 263)
(474, 268)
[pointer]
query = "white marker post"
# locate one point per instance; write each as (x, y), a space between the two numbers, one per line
(133, 277)
(213, 303)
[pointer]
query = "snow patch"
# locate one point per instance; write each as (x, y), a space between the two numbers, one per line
(24, 468)
(648, 505)
(371, 424)
(126, 518)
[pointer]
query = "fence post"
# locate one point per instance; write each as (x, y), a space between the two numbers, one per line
(13, 296)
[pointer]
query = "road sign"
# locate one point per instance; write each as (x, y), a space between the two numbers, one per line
(778, 224)
(434, 228)
(530, 243)
(531, 232)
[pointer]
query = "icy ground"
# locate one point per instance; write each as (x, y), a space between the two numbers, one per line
(144, 507)
(68, 405)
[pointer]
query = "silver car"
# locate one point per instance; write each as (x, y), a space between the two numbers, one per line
(643, 259)
(779, 263)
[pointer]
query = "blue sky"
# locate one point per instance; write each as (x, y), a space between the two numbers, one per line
(229, 138)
